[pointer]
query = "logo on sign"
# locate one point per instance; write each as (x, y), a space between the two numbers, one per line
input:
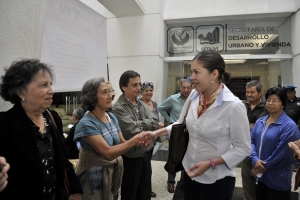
(180, 37)
(210, 37)
(180, 40)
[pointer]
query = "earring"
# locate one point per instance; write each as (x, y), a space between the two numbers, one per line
(23, 99)
(212, 82)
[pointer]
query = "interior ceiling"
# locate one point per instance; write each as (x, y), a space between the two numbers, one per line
(124, 8)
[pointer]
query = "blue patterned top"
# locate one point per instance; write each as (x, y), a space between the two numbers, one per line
(89, 126)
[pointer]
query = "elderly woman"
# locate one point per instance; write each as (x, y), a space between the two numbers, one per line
(218, 131)
(146, 96)
(100, 166)
(147, 90)
(271, 157)
(71, 146)
(30, 140)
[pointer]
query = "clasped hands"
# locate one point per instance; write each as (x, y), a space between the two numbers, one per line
(258, 168)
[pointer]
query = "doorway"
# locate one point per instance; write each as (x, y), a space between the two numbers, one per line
(237, 85)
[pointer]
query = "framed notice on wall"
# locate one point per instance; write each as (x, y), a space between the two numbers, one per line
(74, 42)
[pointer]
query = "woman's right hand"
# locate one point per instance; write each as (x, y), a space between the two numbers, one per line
(3, 174)
(295, 147)
(143, 139)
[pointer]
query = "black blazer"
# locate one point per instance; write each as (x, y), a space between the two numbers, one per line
(18, 146)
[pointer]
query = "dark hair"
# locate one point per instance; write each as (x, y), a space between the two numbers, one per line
(255, 83)
(19, 75)
(279, 92)
(124, 79)
(89, 92)
(212, 60)
(185, 80)
(78, 113)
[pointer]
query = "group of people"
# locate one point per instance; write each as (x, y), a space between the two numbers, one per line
(116, 141)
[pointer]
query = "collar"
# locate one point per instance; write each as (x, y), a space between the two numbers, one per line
(279, 120)
(225, 95)
(136, 100)
(178, 95)
(259, 105)
(295, 99)
(124, 100)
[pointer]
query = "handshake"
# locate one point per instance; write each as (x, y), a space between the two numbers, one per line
(145, 138)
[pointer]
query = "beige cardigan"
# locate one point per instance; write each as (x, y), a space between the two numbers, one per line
(112, 170)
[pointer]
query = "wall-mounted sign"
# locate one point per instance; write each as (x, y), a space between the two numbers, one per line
(180, 40)
(249, 37)
(210, 37)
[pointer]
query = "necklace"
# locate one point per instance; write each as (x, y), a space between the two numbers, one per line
(109, 130)
(45, 125)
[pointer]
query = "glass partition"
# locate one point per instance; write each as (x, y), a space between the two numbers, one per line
(268, 72)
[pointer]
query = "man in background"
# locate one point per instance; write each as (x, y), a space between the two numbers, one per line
(292, 107)
(255, 110)
(134, 117)
(170, 109)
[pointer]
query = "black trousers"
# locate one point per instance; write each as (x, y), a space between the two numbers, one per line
(263, 192)
(220, 190)
(136, 183)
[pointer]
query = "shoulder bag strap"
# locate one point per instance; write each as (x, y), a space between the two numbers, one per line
(52, 119)
(187, 110)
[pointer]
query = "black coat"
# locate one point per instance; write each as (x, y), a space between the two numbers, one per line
(18, 146)
(292, 109)
(259, 111)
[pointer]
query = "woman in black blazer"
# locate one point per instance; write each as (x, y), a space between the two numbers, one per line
(30, 140)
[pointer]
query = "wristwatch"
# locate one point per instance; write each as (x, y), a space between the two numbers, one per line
(212, 164)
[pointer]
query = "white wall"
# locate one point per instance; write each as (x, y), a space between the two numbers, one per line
(295, 30)
(137, 43)
(22, 24)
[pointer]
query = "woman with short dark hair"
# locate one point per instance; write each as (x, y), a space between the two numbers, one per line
(271, 157)
(31, 136)
(100, 166)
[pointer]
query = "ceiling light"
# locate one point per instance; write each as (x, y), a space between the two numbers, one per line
(235, 61)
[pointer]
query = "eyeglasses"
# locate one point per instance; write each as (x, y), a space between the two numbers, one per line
(272, 100)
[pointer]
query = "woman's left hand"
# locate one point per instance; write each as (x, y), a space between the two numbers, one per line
(198, 169)
(75, 196)
(160, 125)
(295, 147)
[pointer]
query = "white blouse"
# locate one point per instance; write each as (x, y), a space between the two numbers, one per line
(222, 130)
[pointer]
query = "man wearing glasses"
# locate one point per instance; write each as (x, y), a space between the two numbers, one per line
(255, 110)
(170, 109)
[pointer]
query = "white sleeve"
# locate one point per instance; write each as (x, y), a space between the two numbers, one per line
(239, 135)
